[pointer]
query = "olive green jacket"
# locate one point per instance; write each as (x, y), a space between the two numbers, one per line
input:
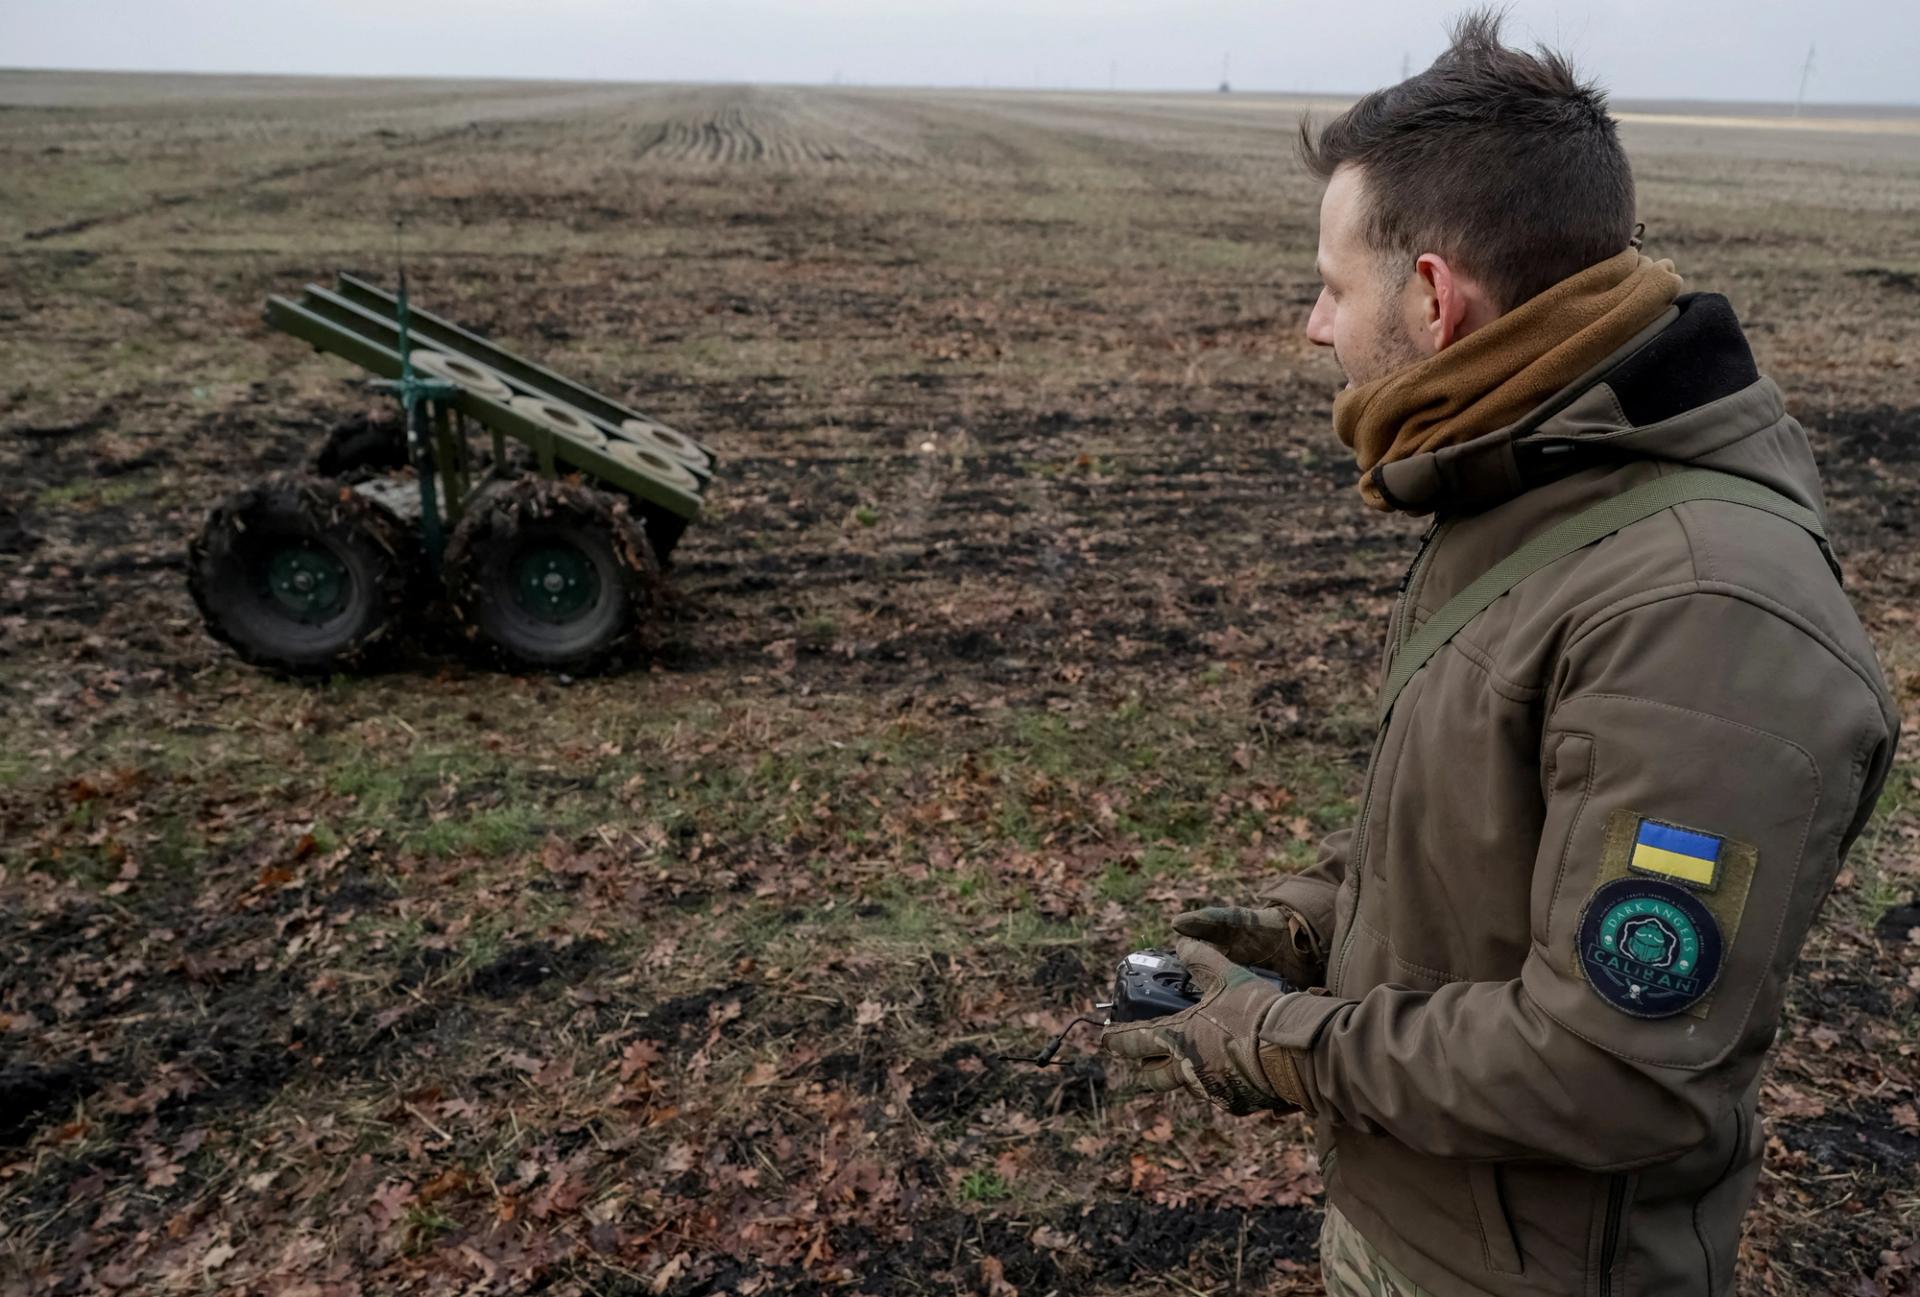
(1594, 832)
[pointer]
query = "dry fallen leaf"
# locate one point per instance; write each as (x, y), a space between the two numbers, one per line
(1053, 1240)
(637, 1057)
(667, 1273)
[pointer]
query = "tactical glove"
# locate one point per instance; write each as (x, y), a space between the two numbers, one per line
(1276, 936)
(1214, 1049)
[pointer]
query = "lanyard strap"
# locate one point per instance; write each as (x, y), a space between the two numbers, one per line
(1583, 529)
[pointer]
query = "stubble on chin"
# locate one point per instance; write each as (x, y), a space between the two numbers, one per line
(1364, 368)
(1383, 362)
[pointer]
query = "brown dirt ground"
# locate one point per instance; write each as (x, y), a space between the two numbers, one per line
(1033, 602)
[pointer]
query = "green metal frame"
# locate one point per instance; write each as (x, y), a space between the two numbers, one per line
(370, 327)
(448, 336)
(372, 323)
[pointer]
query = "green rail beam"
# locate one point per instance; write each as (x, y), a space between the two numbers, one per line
(328, 335)
(428, 325)
(385, 331)
(379, 328)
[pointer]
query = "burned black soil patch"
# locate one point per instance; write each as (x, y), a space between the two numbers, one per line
(959, 1081)
(259, 1036)
(965, 1079)
(197, 1035)
(1113, 1242)
(1897, 925)
(1123, 1242)
(1063, 972)
(1863, 1142)
(15, 536)
(856, 1071)
(682, 1016)
(31, 1095)
(1834, 999)
(522, 968)
(1884, 432)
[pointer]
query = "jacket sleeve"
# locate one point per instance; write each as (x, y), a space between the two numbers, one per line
(1311, 891)
(1702, 711)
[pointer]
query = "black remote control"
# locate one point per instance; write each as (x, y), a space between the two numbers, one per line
(1148, 984)
(1154, 983)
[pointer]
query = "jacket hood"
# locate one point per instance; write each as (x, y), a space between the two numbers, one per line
(1685, 390)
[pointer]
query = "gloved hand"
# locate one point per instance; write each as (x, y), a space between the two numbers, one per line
(1276, 937)
(1214, 1049)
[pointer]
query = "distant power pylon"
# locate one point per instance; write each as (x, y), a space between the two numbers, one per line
(1226, 79)
(1806, 72)
(1406, 66)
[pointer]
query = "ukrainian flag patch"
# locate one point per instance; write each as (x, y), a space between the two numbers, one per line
(1667, 901)
(1685, 856)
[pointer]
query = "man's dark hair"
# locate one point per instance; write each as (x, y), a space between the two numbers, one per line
(1503, 162)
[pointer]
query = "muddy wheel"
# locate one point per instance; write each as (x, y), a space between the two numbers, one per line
(302, 576)
(551, 575)
(362, 447)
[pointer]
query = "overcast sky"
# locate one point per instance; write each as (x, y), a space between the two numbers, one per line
(1867, 50)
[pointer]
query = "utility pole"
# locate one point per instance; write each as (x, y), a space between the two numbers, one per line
(1806, 71)
(1226, 65)
(1406, 66)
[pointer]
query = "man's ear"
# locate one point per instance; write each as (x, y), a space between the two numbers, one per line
(1451, 304)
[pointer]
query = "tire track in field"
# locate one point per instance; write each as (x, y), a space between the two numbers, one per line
(755, 127)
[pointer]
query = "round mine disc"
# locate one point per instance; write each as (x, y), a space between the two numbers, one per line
(676, 443)
(655, 463)
(555, 582)
(309, 582)
(470, 374)
(563, 419)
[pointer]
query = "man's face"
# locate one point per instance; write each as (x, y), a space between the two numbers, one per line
(1362, 310)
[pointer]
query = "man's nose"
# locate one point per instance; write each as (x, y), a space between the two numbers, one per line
(1320, 321)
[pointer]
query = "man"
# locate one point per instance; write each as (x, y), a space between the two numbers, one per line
(1608, 797)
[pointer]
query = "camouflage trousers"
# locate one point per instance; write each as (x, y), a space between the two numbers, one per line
(1351, 1267)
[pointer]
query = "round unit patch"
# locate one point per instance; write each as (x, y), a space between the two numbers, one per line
(1649, 948)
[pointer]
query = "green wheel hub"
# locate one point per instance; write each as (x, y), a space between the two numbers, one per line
(555, 582)
(308, 581)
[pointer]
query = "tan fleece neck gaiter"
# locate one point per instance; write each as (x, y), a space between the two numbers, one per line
(1501, 371)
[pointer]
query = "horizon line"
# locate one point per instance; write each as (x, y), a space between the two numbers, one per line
(1614, 101)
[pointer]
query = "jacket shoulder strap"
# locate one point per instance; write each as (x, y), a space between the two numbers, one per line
(1584, 528)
